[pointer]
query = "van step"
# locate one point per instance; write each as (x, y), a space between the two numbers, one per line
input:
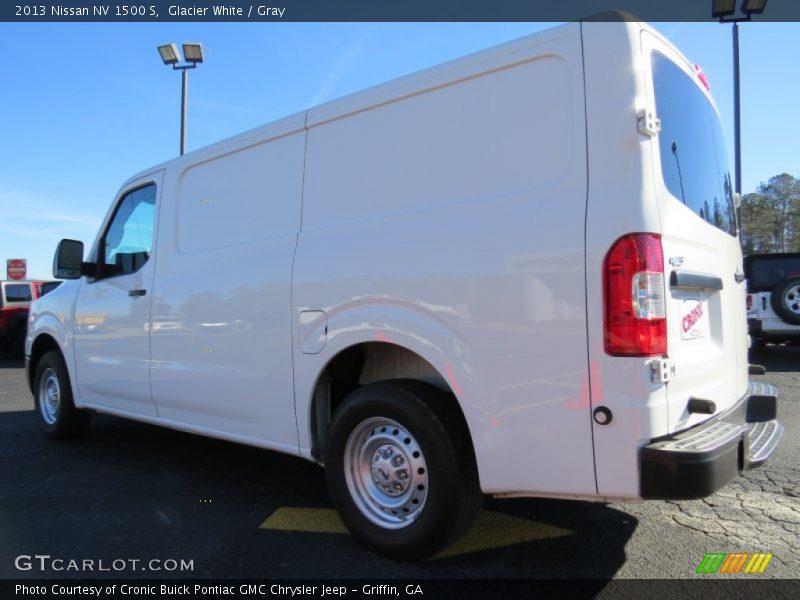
(763, 437)
(759, 388)
(702, 439)
(762, 404)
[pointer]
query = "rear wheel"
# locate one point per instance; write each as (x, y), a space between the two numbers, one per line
(57, 415)
(785, 300)
(399, 470)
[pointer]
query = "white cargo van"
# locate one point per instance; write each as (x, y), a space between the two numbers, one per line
(515, 274)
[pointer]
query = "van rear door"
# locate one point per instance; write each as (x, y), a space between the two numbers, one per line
(706, 313)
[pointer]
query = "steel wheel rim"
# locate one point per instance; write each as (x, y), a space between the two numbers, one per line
(49, 396)
(386, 473)
(791, 299)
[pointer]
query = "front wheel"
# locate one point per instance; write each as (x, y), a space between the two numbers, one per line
(56, 412)
(400, 471)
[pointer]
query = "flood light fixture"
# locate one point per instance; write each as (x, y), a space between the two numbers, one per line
(169, 54)
(193, 53)
(754, 7)
(724, 9)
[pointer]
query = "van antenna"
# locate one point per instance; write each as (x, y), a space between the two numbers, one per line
(678, 162)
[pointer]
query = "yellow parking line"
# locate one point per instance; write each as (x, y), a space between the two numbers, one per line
(318, 520)
(491, 529)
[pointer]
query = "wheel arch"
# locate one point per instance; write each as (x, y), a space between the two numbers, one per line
(43, 343)
(368, 362)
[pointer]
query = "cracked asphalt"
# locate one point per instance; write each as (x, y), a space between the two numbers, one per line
(759, 511)
(134, 490)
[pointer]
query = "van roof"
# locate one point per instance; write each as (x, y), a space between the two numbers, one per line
(401, 87)
(459, 69)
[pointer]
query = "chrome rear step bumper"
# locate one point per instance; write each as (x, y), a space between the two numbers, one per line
(697, 462)
(763, 437)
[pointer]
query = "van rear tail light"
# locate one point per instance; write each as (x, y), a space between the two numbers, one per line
(634, 297)
(749, 300)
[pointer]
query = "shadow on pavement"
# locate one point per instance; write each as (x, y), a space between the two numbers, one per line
(777, 357)
(7, 361)
(130, 490)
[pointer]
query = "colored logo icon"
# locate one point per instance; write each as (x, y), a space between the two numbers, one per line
(739, 562)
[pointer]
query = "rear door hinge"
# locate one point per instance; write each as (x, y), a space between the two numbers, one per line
(647, 122)
(661, 370)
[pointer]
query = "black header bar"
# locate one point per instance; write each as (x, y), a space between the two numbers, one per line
(372, 10)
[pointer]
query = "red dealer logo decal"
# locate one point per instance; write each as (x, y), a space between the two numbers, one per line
(692, 318)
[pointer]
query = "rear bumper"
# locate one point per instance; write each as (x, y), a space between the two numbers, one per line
(772, 329)
(697, 462)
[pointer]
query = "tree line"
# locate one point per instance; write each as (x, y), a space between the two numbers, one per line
(771, 217)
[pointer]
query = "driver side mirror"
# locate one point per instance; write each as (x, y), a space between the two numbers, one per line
(68, 261)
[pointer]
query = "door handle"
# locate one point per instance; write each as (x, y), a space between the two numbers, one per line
(694, 281)
(134, 293)
(740, 277)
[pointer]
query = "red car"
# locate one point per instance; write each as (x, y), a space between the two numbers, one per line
(15, 298)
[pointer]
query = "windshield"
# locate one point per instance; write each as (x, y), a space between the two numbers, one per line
(693, 158)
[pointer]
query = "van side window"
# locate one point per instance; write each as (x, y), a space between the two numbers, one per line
(693, 158)
(128, 240)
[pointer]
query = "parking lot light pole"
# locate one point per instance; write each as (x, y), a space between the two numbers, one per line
(192, 54)
(725, 11)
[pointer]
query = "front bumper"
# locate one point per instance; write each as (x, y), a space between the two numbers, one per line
(697, 462)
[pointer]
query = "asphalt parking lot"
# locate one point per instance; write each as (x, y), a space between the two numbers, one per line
(134, 491)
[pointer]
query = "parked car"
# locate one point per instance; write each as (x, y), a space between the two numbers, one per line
(773, 298)
(488, 277)
(15, 299)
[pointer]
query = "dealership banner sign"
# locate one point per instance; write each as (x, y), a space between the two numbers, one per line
(377, 10)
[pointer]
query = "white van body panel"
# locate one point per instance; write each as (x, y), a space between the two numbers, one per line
(462, 214)
(221, 331)
(714, 365)
(496, 305)
(112, 345)
(620, 202)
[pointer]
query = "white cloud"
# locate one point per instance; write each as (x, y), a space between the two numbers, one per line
(339, 68)
(23, 206)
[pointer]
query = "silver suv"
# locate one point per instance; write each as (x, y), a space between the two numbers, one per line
(773, 297)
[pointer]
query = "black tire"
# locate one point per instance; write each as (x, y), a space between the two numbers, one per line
(785, 300)
(59, 420)
(452, 497)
